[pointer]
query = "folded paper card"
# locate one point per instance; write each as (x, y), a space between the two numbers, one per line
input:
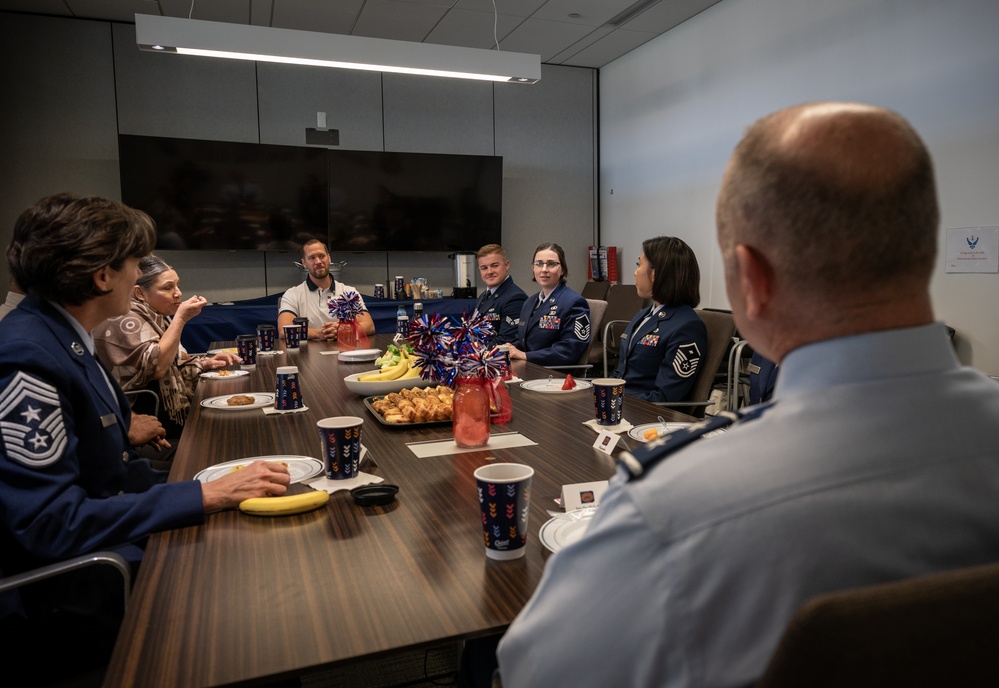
(583, 495)
(444, 447)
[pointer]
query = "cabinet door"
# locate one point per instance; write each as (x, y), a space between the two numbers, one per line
(291, 95)
(434, 115)
(183, 96)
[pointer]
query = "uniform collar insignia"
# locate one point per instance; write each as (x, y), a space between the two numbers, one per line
(77, 348)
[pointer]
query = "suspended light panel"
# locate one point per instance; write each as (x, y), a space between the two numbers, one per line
(290, 46)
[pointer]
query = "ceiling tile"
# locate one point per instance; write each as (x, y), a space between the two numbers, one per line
(584, 42)
(545, 38)
(591, 12)
(232, 11)
(401, 21)
(609, 48)
(317, 15)
(515, 8)
(664, 15)
(473, 29)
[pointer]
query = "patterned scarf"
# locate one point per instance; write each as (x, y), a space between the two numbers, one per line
(129, 346)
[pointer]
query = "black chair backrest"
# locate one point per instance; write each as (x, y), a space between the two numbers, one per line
(595, 290)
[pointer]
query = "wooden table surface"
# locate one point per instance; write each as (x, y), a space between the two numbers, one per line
(242, 598)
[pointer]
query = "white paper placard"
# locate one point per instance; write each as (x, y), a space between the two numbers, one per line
(582, 495)
(606, 441)
(973, 249)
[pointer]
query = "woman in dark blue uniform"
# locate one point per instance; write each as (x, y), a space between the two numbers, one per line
(554, 323)
(662, 347)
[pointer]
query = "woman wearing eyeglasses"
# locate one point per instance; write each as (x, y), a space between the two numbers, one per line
(555, 322)
(662, 346)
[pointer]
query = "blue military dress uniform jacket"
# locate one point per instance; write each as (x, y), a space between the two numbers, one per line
(557, 331)
(502, 309)
(69, 482)
(660, 357)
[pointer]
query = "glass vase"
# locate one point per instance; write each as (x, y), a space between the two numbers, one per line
(346, 336)
(501, 400)
(470, 413)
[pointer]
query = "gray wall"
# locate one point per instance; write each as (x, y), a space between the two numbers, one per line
(70, 86)
(672, 110)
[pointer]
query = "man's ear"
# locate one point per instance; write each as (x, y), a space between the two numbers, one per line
(756, 280)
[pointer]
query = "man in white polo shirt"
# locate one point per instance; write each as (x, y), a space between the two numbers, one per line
(310, 299)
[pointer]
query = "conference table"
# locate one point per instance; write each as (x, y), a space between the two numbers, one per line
(243, 599)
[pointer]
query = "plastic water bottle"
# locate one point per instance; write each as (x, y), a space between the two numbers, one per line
(402, 321)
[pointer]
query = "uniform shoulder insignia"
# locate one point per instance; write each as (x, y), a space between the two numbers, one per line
(581, 327)
(686, 359)
(638, 462)
(31, 422)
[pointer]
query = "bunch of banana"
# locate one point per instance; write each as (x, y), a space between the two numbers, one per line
(399, 370)
(286, 505)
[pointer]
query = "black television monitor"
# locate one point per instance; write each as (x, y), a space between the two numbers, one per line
(383, 201)
(224, 194)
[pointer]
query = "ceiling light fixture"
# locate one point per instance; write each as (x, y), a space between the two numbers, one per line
(266, 44)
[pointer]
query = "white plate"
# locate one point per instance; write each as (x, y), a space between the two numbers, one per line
(560, 532)
(636, 432)
(554, 386)
(260, 399)
(217, 374)
(300, 467)
(370, 389)
(227, 350)
(359, 355)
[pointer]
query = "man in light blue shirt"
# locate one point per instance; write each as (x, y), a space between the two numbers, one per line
(878, 458)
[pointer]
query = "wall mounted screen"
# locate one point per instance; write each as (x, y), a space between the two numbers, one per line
(228, 195)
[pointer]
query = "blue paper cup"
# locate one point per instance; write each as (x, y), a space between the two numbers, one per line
(608, 400)
(288, 395)
(340, 437)
(292, 336)
(504, 500)
(303, 325)
(246, 344)
(266, 334)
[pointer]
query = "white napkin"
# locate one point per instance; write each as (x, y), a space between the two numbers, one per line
(445, 447)
(269, 353)
(331, 486)
(623, 426)
(268, 410)
(329, 353)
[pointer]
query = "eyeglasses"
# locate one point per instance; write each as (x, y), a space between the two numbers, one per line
(550, 264)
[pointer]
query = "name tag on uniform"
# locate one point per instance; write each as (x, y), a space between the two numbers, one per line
(108, 420)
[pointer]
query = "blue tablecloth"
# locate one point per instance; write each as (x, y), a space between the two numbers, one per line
(222, 322)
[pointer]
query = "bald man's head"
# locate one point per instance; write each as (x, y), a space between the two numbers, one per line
(839, 197)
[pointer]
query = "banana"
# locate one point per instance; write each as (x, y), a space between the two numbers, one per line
(393, 373)
(398, 371)
(283, 506)
(412, 372)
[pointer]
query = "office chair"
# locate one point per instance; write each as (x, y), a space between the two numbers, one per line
(721, 330)
(935, 630)
(591, 355)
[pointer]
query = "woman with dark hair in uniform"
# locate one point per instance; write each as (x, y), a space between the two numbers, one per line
(662, 346)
